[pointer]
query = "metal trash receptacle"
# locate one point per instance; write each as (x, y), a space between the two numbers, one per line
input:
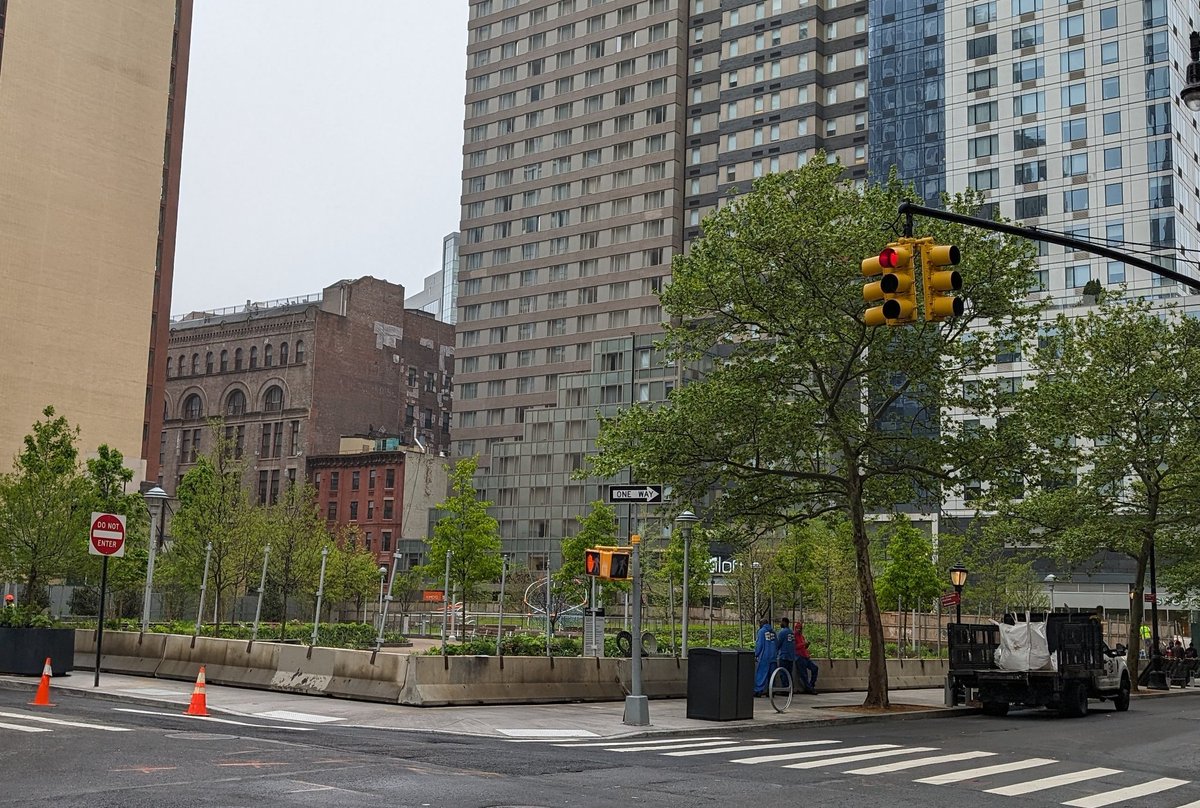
(720, 684)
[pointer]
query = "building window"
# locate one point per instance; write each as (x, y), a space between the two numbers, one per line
(387, 541)
(253, 357)
(237, 359)
(1028, 70)
(1074, 165)
(389, 509)
(1075, 129)
(1112, 158)
(273, 400)
(371, 480)
(983, 146)
(354, 510)
(224, 362)
(981, 13)
(333, 481)
(193, 408)
(1075, 199)
(195, 364)
(235, 404)
(208, 362)
(268, 356)
(981, 46)
(1030, 206)
(299, 350)
(1113, 194)
(389, 480)
(331, 511)
(283, 353)
(1027, 36)
(1032, 171)
(1031, 137)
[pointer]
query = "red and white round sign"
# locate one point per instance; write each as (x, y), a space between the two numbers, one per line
(107, 536)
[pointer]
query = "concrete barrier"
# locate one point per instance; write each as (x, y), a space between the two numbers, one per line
(421, 680)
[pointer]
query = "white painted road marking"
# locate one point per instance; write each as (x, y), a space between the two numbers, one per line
(1030, 786)
(1128, 793)
(837, 761)
(212, 719)
(986, 771)
(20, 728)
(538, 734)
(885, 768)
(748, 748)
(660, 747)
(813, 754)
(47, 720)
(645, 742)
(288, 715)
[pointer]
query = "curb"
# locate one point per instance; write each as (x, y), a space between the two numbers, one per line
(142, 701)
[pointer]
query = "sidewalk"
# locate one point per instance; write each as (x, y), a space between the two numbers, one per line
(600, 720)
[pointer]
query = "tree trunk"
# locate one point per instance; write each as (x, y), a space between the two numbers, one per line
(1136, 610)
(877, 682)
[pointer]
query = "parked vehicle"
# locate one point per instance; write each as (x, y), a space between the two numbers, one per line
(1077, 666)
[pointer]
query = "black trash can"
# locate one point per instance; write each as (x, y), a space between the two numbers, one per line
(720, 685)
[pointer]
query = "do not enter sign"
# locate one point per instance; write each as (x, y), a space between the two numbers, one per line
(107, 536)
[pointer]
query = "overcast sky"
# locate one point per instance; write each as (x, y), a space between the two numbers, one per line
(323, 141)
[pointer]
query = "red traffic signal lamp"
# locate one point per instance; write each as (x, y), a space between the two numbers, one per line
(896, 290)
(591, 562)
(941, 284)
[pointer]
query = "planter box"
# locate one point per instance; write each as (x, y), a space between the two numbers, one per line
(24, 650)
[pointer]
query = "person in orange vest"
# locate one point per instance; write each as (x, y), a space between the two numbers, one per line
(9, 600)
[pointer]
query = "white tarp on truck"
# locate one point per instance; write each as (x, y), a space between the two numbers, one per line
(1023, 647)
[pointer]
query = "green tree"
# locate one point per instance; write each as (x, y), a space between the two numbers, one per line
(296, 532)
(351, 572)
(909, 577)
(597, 528)
(45, 506)
(1114, 460)
(469, 534)
(213, 508)
(109, 479)
(799, 408)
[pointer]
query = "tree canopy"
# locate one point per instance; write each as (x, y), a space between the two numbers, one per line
(797, 407)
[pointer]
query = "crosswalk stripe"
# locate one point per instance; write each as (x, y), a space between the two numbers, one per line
(661, 747)
(20, 728)
(986, 771)
(885, 768)
(838, 761)
(213, 719)
(47, 720)
(1029, 786)
(1127, 793)
(645, 741)
(813, 754)
(748, 748)
(1195, 804)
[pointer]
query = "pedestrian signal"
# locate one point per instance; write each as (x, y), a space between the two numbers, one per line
(618, 565)
(591, 562)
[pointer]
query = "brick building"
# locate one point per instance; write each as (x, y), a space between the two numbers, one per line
(383, 488)
(289, 378)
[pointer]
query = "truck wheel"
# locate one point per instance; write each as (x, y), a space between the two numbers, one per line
(1121, 700)
(1075, 700)
(996, 708)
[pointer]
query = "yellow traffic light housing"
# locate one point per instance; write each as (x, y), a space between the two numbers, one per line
(896, 289)
(940, 284)
(607, 563)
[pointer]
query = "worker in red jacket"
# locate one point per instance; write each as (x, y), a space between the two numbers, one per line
(806, 669)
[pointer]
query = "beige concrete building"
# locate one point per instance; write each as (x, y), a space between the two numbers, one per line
(91, 97)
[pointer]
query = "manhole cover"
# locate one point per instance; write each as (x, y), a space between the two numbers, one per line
(201, 736)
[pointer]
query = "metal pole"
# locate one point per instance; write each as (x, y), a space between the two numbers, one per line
(148, 593)
(446, 605)
(203, 589)
(320, 596)
(712, 583)
(387, 601)
(548, 627)
(592, 604)
(637, 707)
(379, 610)
(500, 622)
(958, 605)
(687, 546)
(100, 621)
(262, 584)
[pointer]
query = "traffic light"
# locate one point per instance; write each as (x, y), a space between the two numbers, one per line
(591, 562)
(897, 288)
(618, 565)
(607, 563)
(941, 284)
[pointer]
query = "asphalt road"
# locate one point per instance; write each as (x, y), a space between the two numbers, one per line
(97, 753)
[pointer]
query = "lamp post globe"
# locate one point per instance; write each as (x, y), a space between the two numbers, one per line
(958, 578)
(155, 499)
(1049, 581)
(685, 521)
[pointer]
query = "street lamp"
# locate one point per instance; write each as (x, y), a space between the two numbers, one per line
(379, 612)
(1191, 84)
(958, 577)
(754, 568)
(1050, 579)
(155, 498)
(685, 521)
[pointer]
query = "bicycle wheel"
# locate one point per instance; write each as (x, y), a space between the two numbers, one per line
(779, 689)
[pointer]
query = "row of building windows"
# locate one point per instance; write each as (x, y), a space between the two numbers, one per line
(1154, 13)
(335, 479)
(235, 403)
(558, 327)
(214, 363)
(389, 510)
(581, 296)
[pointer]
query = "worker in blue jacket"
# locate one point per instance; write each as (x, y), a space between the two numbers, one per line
(765, 649)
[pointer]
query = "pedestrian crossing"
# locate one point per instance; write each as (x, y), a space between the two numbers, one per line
(35, 722)
(978, 769)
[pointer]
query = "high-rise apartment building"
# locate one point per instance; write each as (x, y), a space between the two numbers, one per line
(598, 133)
(91, 124)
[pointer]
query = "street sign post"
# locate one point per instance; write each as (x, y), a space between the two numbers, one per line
(106, 538)
(951, 599)
(634, 493)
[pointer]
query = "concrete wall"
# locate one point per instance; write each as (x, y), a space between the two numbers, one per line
(428, 681)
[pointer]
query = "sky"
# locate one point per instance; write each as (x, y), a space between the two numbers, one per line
(322, 141)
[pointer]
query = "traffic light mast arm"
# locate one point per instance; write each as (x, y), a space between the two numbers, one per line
(909, 210)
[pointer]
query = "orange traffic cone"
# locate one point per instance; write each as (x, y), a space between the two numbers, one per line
(199, 705)
(42, 699)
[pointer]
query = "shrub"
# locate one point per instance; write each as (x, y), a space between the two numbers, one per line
(26, 617)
